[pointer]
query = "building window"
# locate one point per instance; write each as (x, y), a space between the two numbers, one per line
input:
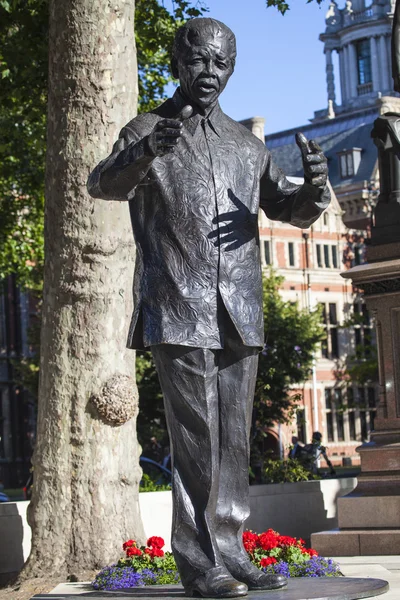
(350, 413)
(363, 50)
(366, 403)
(363, 330)
(349, 162)
(301, 424)
(330, 346)
(319, 256)
(334, 410)
(291, 253)
(267, 252)
(327, 256)
(334, 257)
(346, 165)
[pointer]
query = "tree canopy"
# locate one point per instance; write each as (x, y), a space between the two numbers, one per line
(23, 105)
(283, 6)
(291, 338)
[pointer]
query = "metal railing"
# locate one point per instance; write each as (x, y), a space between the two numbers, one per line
(364, 88)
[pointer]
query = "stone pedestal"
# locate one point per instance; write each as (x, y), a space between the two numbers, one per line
(369, 517)
(300, 588)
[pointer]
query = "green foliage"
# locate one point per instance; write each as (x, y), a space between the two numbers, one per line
(23, 106)
(23, 70)
(365, 371)
(283, 6)
(285, 471)
(151, 417)
(148, 485)
(292, 336)
(362, 366)
(23, 103)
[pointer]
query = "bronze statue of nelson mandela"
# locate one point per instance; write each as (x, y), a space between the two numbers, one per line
(194, 180)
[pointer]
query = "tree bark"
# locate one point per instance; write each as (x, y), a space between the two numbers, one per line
(86, 470)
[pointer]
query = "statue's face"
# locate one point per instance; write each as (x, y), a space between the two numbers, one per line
(205, 68)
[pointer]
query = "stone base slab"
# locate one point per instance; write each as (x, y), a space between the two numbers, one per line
(369, 511)
(304, 588)
(359, 542)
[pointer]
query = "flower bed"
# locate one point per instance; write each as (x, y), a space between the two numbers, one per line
(269, 551)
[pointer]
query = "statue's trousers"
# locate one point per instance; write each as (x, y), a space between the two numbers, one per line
(208, 396)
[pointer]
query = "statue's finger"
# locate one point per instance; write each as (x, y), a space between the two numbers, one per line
(321, 168)
(315, 147)
(315, 158)
(185, 113)
(319, 180)
(303, 143)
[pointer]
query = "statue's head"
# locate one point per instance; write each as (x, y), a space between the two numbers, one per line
(203, 59)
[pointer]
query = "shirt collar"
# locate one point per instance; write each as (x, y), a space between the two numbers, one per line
(191, 124)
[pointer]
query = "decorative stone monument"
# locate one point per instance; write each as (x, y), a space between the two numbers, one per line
(369, 517)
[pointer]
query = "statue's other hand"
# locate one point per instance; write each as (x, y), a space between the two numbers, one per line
(164, 137)
(315, 164)
(166, 134)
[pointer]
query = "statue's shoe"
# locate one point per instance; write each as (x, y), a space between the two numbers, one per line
(254, 578)
(215, 584)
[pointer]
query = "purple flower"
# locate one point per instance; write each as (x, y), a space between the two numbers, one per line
(115, 578)
(317, 566)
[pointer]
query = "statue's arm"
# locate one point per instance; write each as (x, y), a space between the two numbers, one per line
(117, 176)
(281, 200)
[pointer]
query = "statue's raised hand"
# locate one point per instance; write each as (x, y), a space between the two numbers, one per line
(166, 133)
(315, 164)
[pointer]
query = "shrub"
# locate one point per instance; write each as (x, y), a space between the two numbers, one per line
(286, 471)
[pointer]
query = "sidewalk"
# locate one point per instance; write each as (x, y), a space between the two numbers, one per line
(380, 567)
(377, 567)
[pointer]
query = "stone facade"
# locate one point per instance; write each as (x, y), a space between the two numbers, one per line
(360, 35)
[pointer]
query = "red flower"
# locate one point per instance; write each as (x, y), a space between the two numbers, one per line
(285, 540)
(270, 560)
(128, 544)
(250, 541)
(153, 552)
(312, 552)
(269, 540)
(133, 551)
(155, 542)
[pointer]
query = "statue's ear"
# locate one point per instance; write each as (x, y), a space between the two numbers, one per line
(174, 68)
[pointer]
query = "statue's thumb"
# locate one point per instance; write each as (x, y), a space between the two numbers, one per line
(185, 113)
(303, 143)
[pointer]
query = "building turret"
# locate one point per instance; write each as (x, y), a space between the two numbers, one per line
(360, 35)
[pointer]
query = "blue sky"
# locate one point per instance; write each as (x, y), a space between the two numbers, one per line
(280, 68)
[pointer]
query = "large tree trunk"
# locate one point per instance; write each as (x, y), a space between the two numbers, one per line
(86, 471)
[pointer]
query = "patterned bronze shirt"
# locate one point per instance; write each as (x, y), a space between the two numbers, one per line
(194, 218)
